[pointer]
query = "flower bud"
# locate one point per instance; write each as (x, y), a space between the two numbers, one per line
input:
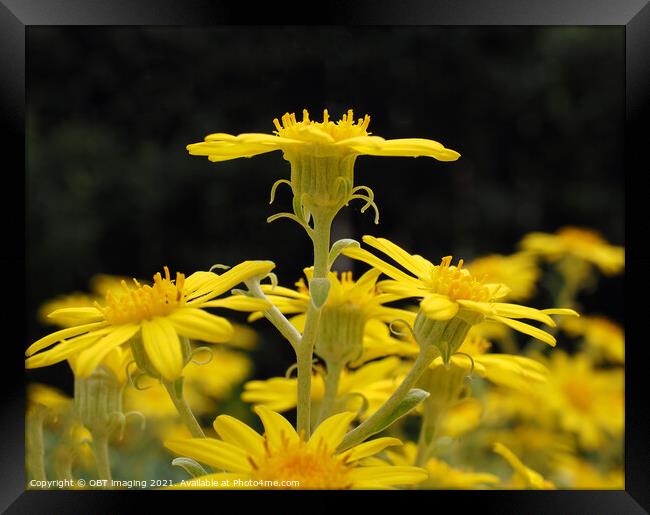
(98, 400)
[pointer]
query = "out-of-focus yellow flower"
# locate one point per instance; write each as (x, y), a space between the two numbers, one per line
(203, 386)
(282, 455)
(524, 476)
(602, 336)
(156, 316)
(243, 337)
(588, 402)
(54, 400)
(372, 383)
(518, 271)
(576, 473)
(584, 244)
(346, 315)
(463, 417)
(443, 476)
(449, 291)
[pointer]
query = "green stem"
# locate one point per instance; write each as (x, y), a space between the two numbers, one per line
(305, 352)
(274, 316)
(35, 448)
(184, 410)
(334, 369)
(100, 445)
(375, 422)
(427, 435)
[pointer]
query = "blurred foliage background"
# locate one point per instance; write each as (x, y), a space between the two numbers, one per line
(536, 112)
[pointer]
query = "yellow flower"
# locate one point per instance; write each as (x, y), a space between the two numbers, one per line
(602, 336)
(584, 244)
(203, 385)
(281, 455)
(449, 291)
(322, 156)
(55, 401)
(443, 476)
(345, 316)
(373, 382)
(159, 315)
(525, 477)
(519, 272)
(589, 402)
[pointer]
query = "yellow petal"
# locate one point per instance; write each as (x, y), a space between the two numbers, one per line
(276, 427)
(387, 476)
(415, 264)
(229, 279)
(216, 453)
(239, 303)
(331, 431)
(200, 325)
(66, 349)
(372, 260)
(439, 307)
(163, 347)
(517, 311)
(76, 315)
(90, 358)
(58, 336)
(239, 434)
(527, 329)
(370, 448)
(408, 147)
(561, 311)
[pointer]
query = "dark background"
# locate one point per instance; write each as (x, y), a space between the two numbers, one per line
(536, 112)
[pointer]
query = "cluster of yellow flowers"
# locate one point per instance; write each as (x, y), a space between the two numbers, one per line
(418, 374)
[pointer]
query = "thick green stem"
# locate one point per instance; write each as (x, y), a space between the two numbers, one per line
(35, 448)
(375, 423)
(100, 445)
(305, 351)
(331, 389)
(184, 410)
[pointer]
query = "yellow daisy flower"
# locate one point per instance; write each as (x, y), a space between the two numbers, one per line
(443, 476)
(576, 473)
(158, 314)
(584, 244)
(281, 455)
(524, 477)
(588, 402)
(518, 271)
(322, 156)
(450, 292)
(372, 383)
(602, 336)
(346, 315)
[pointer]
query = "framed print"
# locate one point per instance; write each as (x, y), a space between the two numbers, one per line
(386, 251)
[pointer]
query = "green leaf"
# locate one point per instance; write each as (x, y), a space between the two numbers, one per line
(190, 466)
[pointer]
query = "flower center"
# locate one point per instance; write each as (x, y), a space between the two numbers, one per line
(145, 302)
(579, 395)
(321, 132)
(456, 282)
(313, 468)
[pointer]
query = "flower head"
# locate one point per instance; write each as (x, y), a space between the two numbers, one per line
(584, 244)
(354, 312)
(157, 317)
(283, 459)
(322, 156)
(448, 291)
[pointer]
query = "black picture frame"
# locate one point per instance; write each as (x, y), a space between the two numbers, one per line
(17, 15)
